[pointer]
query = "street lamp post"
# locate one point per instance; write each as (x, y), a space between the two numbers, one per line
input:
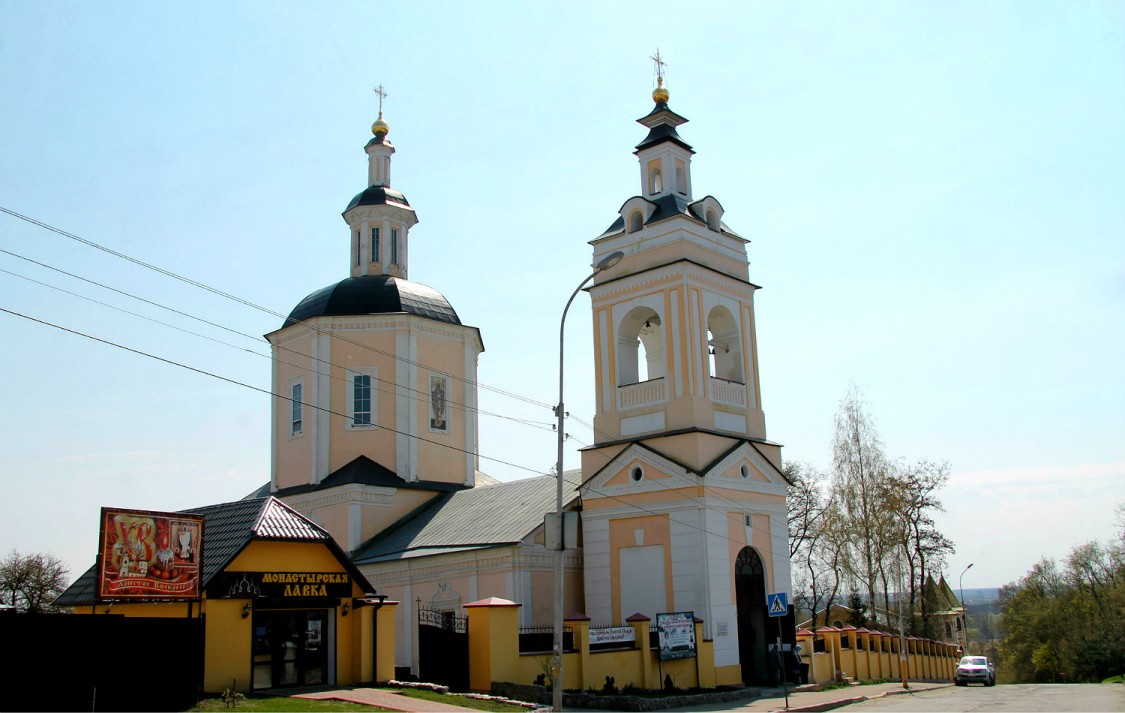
(560, 412)
(964, 609)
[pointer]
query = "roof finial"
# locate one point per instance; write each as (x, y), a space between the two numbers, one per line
(660, 94)
(380, 128)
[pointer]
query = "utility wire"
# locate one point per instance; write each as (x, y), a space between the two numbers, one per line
(257, 388)
(248, 303)
(422, 396)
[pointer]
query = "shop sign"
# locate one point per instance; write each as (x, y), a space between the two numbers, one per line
(676, 633)
(280, 585)
(613, 635)
(146, 555)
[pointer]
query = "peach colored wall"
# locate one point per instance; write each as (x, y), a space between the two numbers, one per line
(621, 535)
(292, 454)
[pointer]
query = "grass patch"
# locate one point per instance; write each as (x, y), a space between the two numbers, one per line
(462, 701)
(1115, 679)
(255, 702)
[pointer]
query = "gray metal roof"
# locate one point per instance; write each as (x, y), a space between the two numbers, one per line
(480, 517)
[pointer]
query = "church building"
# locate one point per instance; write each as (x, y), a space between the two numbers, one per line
(681, 498)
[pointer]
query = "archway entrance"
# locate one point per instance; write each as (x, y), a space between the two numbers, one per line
(750, 598)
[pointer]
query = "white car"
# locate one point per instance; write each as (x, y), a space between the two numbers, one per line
(975, 669)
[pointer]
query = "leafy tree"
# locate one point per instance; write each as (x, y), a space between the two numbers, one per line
(31, 583)
(1064, 623)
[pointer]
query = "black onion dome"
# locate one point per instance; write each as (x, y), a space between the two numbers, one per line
(378, 195)
(374, 294)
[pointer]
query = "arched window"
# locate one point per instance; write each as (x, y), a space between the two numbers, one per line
(636, 221)
(681, 177)
(749, 562)
(640, 330)
(713, 219)
(724, 346)
(655, 183)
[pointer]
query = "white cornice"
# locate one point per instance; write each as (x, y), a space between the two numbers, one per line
(352, 493)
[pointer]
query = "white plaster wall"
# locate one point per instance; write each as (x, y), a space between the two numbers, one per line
(595, 539)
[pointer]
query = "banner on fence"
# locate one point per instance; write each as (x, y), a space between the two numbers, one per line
(613, 635)
(676, 633)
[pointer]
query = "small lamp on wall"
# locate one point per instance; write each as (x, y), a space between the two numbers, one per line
(347, 608)
(246, 610)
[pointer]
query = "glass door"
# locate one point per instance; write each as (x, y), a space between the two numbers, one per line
(290, 648)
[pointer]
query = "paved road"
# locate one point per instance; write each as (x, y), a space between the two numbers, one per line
(1044, 697)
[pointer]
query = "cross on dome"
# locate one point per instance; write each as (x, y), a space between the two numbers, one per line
(380, 127)
(660, 94)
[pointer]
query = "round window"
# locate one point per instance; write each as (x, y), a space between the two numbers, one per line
(637, 474)
(745, 471)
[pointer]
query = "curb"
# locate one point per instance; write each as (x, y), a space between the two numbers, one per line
(840, 703)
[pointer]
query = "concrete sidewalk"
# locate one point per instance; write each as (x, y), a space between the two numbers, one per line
(384, 698)
(804, 698)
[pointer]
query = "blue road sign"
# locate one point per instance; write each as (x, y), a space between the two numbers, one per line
(777, 603)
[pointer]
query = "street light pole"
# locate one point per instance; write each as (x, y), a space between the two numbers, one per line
(964, 609)
(560, 412)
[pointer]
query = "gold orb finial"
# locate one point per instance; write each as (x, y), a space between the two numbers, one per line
(380, 127)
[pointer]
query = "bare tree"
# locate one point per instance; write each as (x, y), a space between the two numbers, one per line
(31, 583)
(808, 509)
(859, 467)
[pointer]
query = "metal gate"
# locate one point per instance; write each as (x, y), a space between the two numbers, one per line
(443, 648)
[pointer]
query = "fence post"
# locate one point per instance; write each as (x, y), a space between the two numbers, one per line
(641, 625)
(580, 637)
(494, 642)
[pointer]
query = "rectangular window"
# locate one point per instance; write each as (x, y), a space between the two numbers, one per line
(296, 412)
(394, 246)
(358, 252)
(374, 245)
(361, 399)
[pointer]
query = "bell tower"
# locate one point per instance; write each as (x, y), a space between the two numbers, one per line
(683, 499)
(674, 320)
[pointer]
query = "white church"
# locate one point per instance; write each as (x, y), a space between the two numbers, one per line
(681, 500)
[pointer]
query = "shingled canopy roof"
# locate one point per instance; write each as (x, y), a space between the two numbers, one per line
(228, 528)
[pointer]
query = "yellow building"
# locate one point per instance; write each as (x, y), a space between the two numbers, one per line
(282, 604)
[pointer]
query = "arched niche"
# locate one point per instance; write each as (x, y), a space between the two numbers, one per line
(641, 330)
(724, 344)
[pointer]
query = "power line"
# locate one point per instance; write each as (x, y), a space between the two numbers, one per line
(398, 389)
(423, 396)
(248, 303)
(268, 392)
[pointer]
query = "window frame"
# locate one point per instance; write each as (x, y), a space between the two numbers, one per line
(374, 245)
(296, 407)
(373, 401)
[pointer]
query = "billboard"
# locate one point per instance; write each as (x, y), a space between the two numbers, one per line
(676, 634)
(149, 556)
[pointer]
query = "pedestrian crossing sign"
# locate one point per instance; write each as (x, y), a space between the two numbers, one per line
(777, 603)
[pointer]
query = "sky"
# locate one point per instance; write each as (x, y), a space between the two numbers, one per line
(934, 195)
